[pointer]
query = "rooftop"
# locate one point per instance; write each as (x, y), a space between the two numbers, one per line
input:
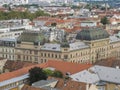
(58, 65)
(98, 73)
(44, 83)
(27, 87)
(69, 85)
(114, 38)
(31, 36)
(15, 65)
(61, 85)
(51, 47)
(92, 34)
(109, 62)
(57, 47)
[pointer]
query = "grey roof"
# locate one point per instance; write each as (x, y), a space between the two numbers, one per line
(98, 73)
(57, 47)
(78, 45)
(13, 80)
(92, 34)
(43, 83)
(13, 39)
(50, 88)
(31, 36)
(51, 47)
(85, 76)
(114, 38)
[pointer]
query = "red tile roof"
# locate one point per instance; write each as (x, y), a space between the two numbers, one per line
(70, 85)
(15, 65)
(67, 66)
(9, 75)
(109, 62)
(58, 65)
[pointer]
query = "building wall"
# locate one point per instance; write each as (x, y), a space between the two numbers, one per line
(108, 86)
(99, 49)
(13, 86)
(89, 24)
(7, 52)
(11, 34)
(2, 63)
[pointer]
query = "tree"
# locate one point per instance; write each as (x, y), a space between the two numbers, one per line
(104, 20)
(23, 15)
(48, 72)
(53, 24)
(36, 74)
(57, 74)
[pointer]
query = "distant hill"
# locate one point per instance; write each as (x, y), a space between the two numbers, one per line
(110, 2)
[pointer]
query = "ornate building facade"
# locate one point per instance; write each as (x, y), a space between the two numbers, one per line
(90, 45)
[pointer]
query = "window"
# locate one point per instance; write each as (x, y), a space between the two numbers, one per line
(59, 56)
(30, 52)
(41, 54)
(65, 56)
(27, 58)
(52, 55)
(65, 49)
(101, 88)
(41, 60)
(36, 59)
(48, 55)
(30, 58)
(56, 56)
(23, 57)
(35, 52)
(45, 54)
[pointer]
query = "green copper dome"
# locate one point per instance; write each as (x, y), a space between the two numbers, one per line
(32, 36)
(92, 34)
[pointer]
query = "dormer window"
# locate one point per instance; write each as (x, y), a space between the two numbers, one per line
(65, 49)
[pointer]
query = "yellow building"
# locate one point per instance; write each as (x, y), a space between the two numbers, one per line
(91, 44)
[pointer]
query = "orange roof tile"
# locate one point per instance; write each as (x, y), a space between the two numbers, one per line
(58, 65)
(9, 75)
(15, 65)
(70, 85)
(67, 66)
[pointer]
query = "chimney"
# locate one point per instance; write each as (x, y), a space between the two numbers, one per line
(117, 67)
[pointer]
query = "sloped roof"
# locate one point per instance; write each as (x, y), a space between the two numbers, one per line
(62, 66)
(70, 67)
(109, 62)
(98, 73)
(69, 84)
(20, 72)
(30, 36)
(15, 65)
(27, 87)
(92, 34)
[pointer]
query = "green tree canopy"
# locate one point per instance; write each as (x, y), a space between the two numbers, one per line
(53, 24)
(57, 74)
(104, 20)
(21, 15)
(36, 74)
(48, 72)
